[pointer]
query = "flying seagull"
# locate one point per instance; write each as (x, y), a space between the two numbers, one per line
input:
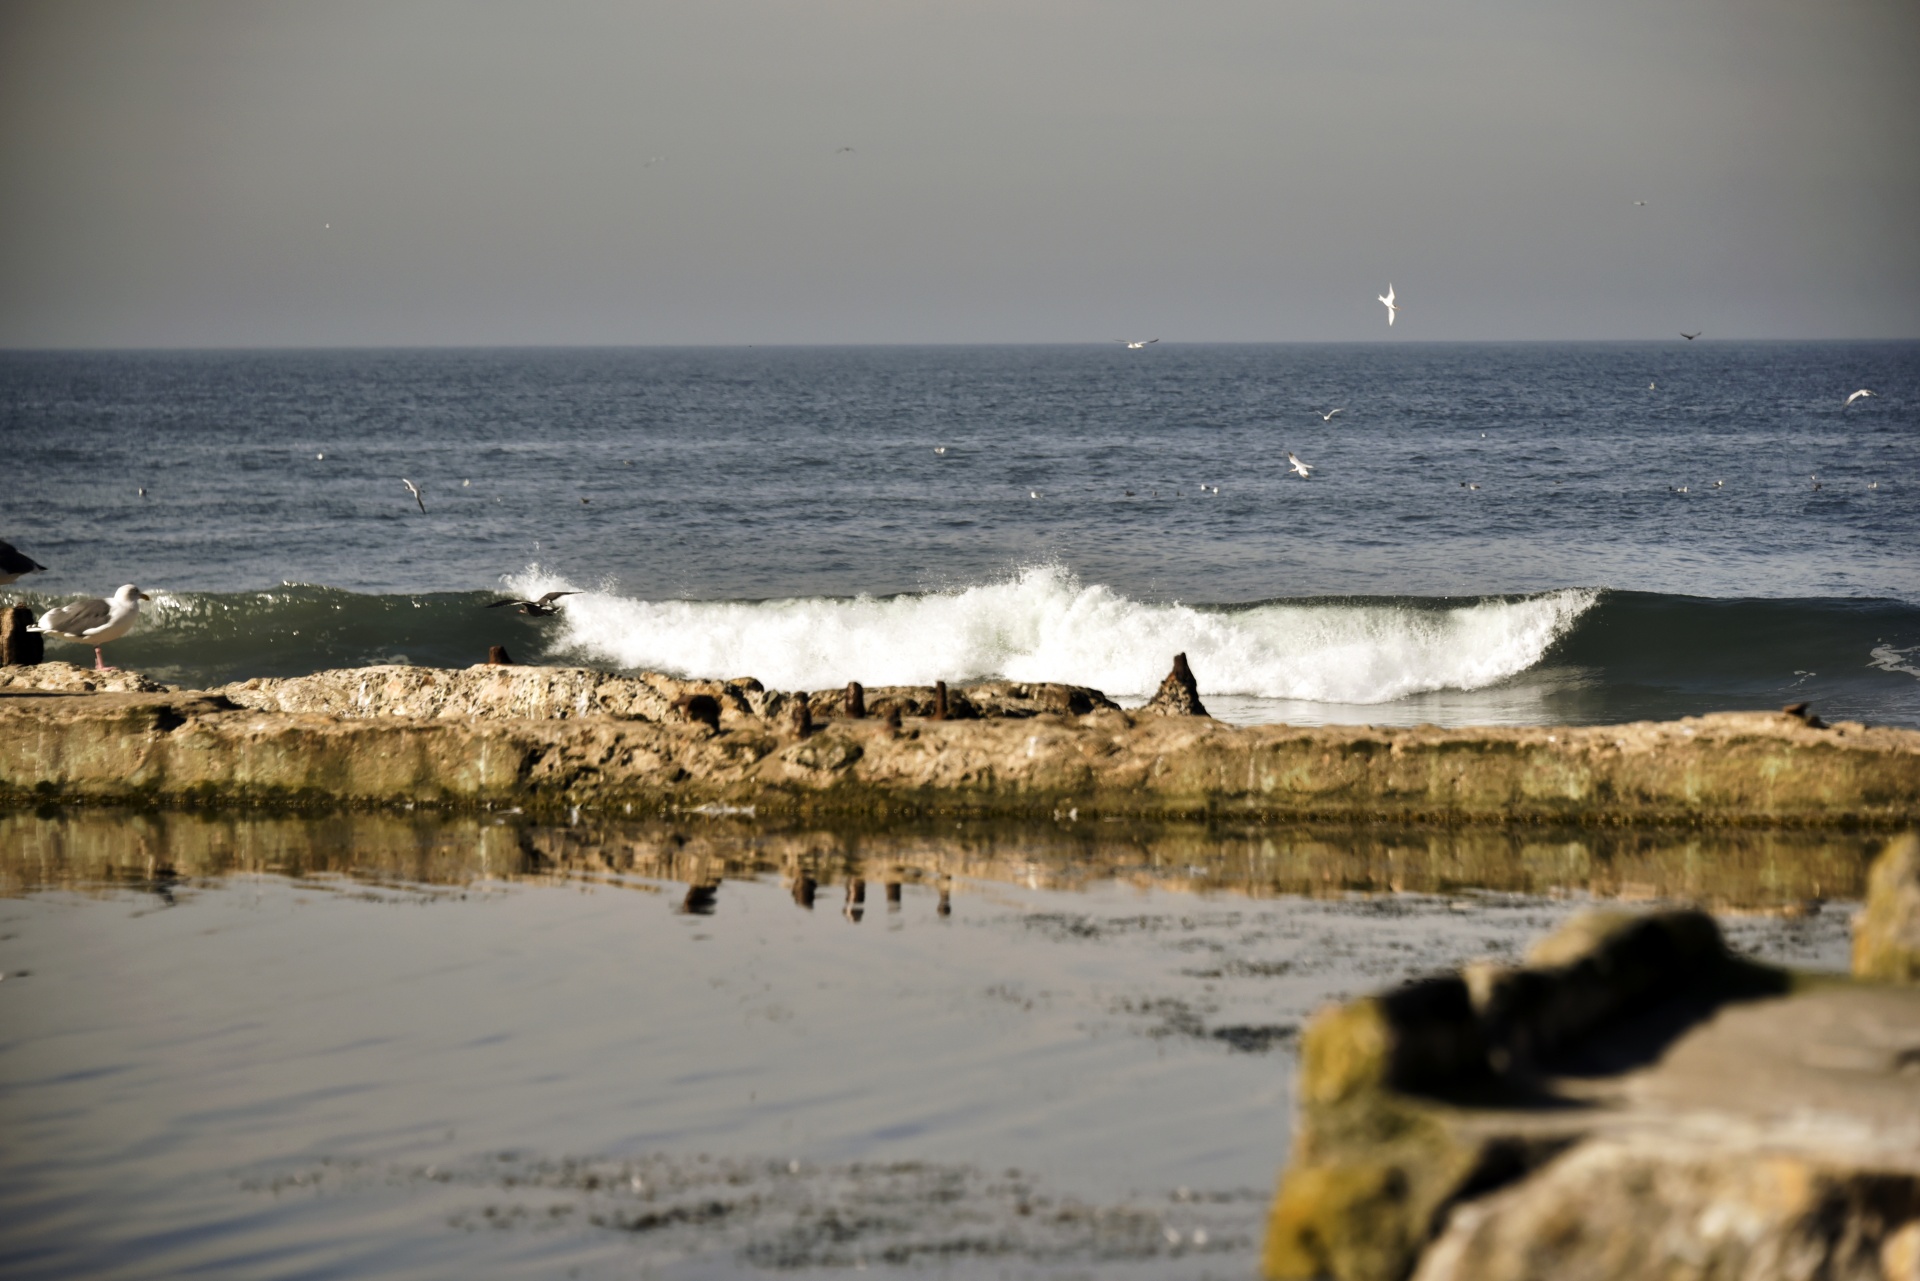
(1131, 345)
(939, 449)
(1641, 203)
(14, 565)
(96, 620)
(418, 497)
(542, 608)
(1295, 464)
(1393, 308)
(1858, 394)
(1328, 416)
(1691, 336)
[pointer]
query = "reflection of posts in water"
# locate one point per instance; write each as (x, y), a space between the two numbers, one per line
(700, 899)
(803, 888)
(893, 896)
(946, 897)
(856, 900)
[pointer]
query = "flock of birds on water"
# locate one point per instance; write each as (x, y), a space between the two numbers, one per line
(98, 620)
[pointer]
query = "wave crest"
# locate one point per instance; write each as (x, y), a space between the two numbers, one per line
(1043, 624)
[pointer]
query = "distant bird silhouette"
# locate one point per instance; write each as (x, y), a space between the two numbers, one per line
(1135, 344)
(1393, 308)
(939, 449)
(418, 496)
(1691, 336)
(1858, 394)
(1304, 469)
(1641, 203)
(541, 608)
(1328, 416)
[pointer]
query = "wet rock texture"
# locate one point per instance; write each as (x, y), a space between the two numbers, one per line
(1886, 939)
(1634, 1101)
(546, 737)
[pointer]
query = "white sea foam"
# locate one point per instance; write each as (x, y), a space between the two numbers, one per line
(1043, 624)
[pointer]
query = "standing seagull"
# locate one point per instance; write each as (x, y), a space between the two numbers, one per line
(1328, 416)
(418, 497)
(1132, 345)
(1856, 395)
(15, 565)
(96, 620)
(1296, 465)
(1393, 308)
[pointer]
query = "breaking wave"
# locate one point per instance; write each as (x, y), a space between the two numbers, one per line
(1045, 625)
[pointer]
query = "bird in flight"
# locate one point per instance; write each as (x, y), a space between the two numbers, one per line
(1858, 394)
(1328, 416)
(1641, 203)
(414, 489)
(1691, 336)
(842, 151)
(1294, 464)
(541, 608)
(1393, 308)
(1131, 345)
(939, 449)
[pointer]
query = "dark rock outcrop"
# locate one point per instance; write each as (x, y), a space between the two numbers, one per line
(1179, 693)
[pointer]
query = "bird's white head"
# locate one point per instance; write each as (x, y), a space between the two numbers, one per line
(128, 593)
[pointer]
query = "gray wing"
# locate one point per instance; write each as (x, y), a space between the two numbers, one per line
(78, 618)
(551, 597)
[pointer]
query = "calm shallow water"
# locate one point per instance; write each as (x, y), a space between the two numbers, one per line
(782, 513)
(401, 1047)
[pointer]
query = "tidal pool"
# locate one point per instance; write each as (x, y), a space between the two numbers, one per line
(401, 1046)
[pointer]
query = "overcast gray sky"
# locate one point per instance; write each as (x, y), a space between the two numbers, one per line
(175, 172)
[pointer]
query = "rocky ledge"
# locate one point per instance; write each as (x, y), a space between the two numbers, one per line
(551, 738)
(1635, 1101)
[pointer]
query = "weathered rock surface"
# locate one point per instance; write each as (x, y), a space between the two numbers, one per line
(1737, 768)
(1886, 938)
(1633, 1102)
(497, 692)
(67, 678)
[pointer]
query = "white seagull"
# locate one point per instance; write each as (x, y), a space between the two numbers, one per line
(1858, 394)
(1296, 465)
(939, 449)
(418, 497)
(1328, 416)
(96, 620)
(1132, 345)
(1393, 308)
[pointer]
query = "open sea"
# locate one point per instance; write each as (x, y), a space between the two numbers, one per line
(1492, 533)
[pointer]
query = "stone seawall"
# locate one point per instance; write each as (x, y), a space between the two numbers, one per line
(173, 747)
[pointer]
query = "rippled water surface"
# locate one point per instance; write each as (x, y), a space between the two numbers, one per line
(392, 1047)
(1499, 533)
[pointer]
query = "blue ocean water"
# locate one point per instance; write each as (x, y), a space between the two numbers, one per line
(1510, 532)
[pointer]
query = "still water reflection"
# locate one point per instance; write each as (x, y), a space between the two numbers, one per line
(394, 1047)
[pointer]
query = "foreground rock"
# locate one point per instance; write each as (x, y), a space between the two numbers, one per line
(1886, 938)
(1634, 1102)
(555, 738)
